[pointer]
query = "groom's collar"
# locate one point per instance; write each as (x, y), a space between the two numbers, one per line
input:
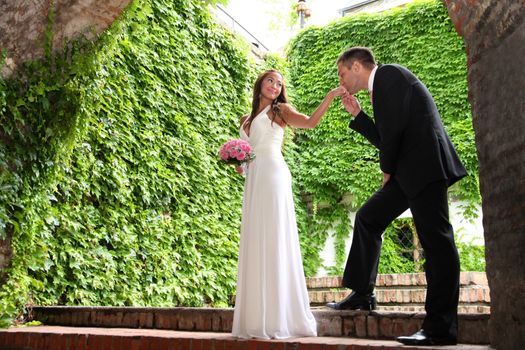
(371, 79)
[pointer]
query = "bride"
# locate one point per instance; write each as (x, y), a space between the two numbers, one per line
(272, 300)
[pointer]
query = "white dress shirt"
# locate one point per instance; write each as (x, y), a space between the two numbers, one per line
(371, 80)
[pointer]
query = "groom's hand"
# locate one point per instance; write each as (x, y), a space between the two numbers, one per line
(351, 104)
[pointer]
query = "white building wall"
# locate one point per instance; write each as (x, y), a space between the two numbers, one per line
(467, 231)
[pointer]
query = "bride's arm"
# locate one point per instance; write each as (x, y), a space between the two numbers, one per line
(299, 120)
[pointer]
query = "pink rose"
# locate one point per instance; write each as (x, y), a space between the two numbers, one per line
(241, 155)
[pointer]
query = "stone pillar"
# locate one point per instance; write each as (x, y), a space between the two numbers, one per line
(494, 34)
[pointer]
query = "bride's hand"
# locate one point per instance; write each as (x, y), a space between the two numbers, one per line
(239, 169)
(338, 91)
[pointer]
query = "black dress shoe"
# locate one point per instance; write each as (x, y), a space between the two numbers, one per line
(422, 338)
(356, 301)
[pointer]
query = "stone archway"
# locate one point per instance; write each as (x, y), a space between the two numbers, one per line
(494, 34)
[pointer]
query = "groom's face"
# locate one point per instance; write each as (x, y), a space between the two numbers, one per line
(348, 77)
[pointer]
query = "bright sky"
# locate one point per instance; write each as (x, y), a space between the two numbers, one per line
(266, 19)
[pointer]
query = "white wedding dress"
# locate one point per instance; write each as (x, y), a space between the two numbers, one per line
(272, 300)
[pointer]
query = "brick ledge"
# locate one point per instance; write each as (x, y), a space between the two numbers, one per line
(61, 338)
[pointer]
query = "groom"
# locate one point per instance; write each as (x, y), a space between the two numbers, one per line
(418, 162)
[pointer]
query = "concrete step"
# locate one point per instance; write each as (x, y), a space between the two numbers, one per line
(473, 328)
(81, 338)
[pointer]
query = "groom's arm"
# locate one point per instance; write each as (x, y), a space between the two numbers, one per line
(366, 127)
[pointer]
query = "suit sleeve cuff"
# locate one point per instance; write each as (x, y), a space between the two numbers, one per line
(357, 119)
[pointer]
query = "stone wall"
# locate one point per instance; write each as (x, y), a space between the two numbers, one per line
(5, 255)
(494, 34)
(23, 24)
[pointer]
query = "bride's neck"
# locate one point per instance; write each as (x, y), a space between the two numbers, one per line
(263, 105)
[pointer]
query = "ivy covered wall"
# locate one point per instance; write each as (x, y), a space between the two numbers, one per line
(336, 168)
(112, 193)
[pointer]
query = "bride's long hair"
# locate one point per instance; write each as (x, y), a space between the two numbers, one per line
(256, 100)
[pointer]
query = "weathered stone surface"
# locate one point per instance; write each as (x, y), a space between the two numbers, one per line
(494, 33)
(23, 24)
(483, 24)
(5, 255)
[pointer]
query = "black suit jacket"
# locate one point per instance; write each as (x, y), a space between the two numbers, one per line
(407, 129)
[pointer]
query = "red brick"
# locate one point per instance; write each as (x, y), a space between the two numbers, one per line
(333, 347)
(81, 342)
(251, 345)
(158, 343)
(107, 342)
(60, 342)
(20, 339)
(6, 338)
(372, 325)
(145, 342)
(360, 326)
(218, 344)
(330, 325)
(203, 322)
(39, 341)
(136, 343)
(48, 341)
(183, 344)
(196, 344)
(385, 327)
(124, 343)
(348, 327)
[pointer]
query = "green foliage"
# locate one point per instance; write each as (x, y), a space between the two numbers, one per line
(331, 160)
(471, 254)
(112, 191)
(396, 257)
(215, 2)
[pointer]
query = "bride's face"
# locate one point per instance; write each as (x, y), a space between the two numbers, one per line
(271, 86)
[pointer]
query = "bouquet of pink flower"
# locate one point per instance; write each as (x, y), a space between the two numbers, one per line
(236, 152)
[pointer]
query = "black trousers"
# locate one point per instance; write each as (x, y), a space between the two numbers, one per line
(430, 213)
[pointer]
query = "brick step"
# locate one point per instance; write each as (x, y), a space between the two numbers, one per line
(473, 328)
(472, 294)
(462, 309)
(66, 338)
(395, 280)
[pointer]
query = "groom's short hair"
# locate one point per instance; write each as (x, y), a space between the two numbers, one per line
(362, 54)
